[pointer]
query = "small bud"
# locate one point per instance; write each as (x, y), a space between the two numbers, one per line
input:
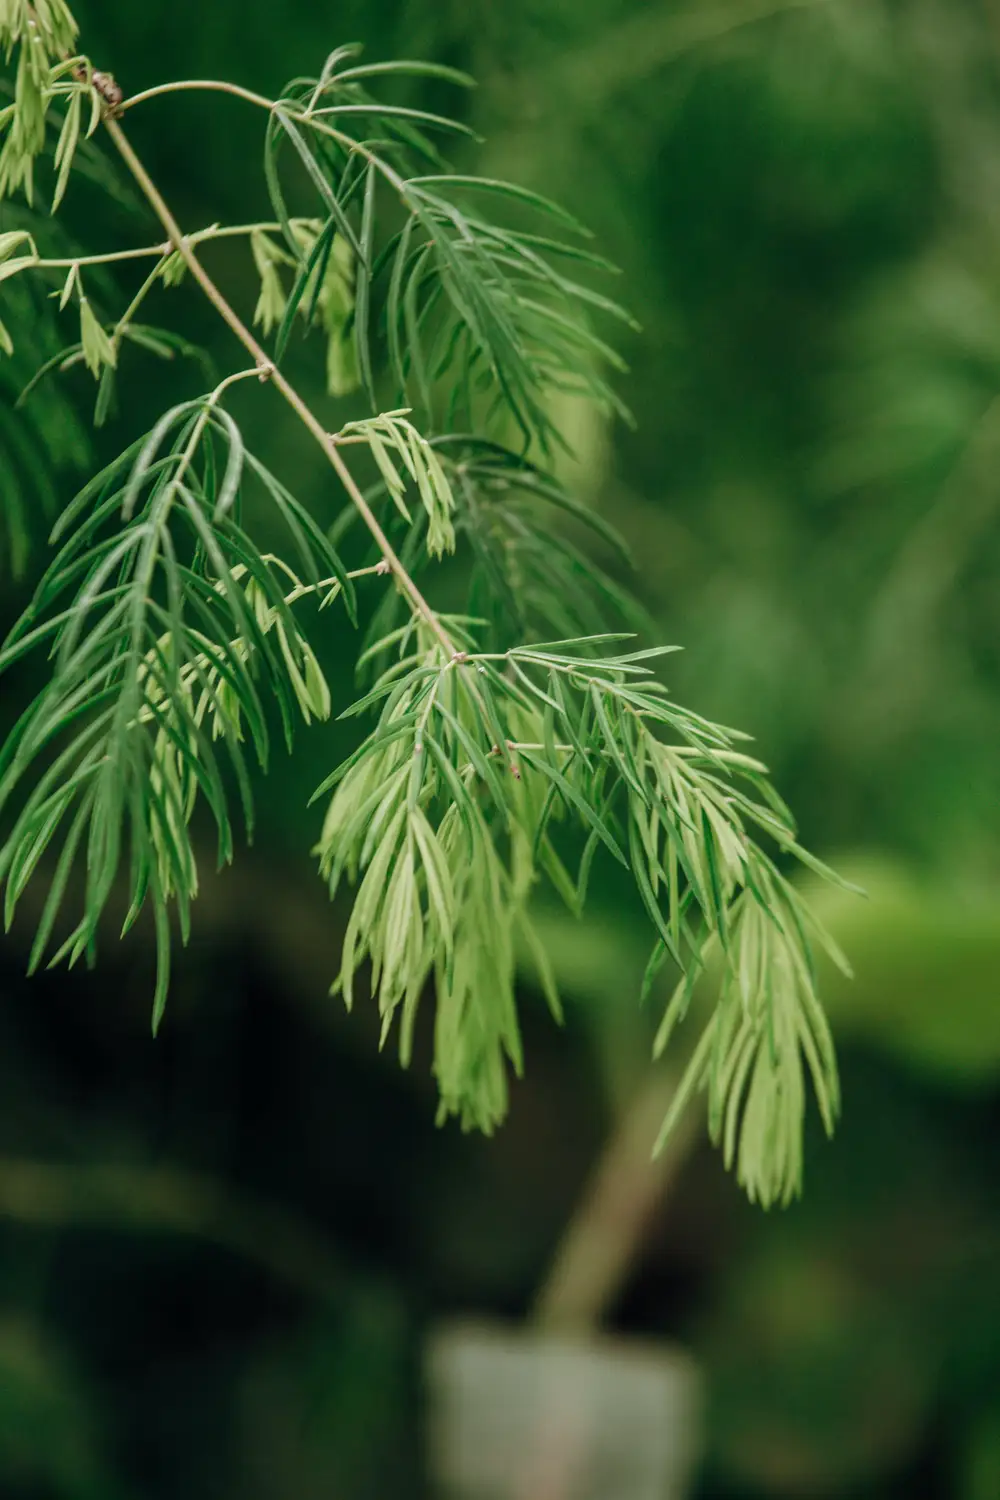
(109, 90)
(173, 269)
(273, 299)
(98, 349)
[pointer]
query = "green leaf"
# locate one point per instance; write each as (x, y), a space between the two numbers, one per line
(576, 802)
(362, 292)
(98, 348)
(507, 190)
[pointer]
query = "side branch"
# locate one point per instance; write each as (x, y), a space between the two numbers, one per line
(269, 371)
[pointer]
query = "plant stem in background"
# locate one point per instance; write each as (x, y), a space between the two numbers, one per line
(625, 1189)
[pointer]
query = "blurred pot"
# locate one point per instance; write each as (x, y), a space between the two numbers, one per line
(523, 1415)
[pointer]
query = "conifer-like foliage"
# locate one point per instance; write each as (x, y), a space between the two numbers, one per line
(489, 757)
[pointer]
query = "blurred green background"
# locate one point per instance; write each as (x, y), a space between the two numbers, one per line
(220, 1253)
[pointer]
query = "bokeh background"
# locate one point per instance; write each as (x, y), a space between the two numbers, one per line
(220, 1254)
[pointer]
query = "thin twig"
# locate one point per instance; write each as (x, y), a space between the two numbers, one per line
(184, 85)
(107, 258)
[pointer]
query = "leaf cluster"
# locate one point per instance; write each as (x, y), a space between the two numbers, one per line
(405, 458)
(478, 765)
(494, 764)
(484, 311)
(43, 33)
(160, 617)
(424, 817)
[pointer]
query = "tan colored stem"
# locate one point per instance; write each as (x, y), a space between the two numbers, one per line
(143, 252)
(203, 85)
(606, 1231)
(592, 1263)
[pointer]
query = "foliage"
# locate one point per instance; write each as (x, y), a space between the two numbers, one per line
(45, 438)
(496, 763)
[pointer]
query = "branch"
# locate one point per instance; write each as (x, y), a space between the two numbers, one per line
(269, 371)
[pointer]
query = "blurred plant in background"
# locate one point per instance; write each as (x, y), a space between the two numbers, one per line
(803, 199)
